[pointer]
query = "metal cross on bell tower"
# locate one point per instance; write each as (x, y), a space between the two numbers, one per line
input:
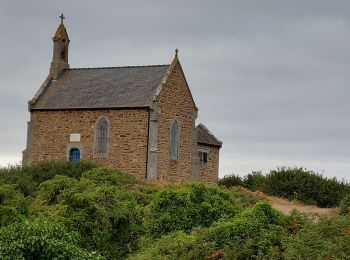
(62, 18)
(176, 52)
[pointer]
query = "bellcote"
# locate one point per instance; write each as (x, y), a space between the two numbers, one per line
(60, 51)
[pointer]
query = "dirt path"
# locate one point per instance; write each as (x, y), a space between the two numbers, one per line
(286, 206)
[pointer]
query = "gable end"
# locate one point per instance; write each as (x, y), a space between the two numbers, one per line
(167, 75)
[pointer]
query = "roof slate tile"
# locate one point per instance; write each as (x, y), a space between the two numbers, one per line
(204, 136)
(114, 87)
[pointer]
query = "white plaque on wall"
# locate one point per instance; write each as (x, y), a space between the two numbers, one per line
(75, 137)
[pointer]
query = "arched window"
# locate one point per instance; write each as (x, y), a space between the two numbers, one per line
(74, 155)
(174, 141)
(101, 142)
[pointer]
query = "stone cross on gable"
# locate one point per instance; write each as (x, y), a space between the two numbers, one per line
(62, 17)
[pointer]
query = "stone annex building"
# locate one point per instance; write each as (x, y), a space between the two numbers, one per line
(139, 119)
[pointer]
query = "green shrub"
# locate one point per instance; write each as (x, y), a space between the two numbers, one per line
(13, 205)
(28, 178)
(102, 207)
(296, 221)
(255, 233)
(306, 186)
(328, 238)
(14, 175)
(78, 208)
(264, 214)
(254, 181)
(46, 170)
(41, 241)
(293, 183)
(110, 177)
(176, 245)
(344, 207)
(230, 181)
(49, 190)
(244, 197)
(193, 205)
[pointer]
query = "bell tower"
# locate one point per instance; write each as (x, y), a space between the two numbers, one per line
(60, 51)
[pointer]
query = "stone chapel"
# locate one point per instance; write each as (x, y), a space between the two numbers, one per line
(138, 119)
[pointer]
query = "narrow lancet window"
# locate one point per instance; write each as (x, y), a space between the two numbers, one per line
(174, 141)
(101, 144)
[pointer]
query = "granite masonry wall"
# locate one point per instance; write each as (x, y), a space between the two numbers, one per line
(209, 171)
(49, 135)
(175, 103)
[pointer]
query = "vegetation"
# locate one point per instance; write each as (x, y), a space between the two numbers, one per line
(41, 241)
(59, 210)
(28, 178)
(294, 183)
(184, 208)
(344, 208)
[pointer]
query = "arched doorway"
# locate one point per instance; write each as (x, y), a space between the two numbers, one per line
(74, 155)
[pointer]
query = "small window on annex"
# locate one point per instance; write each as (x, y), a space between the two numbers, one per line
(101, 137)
(174, 141)
(203, 157)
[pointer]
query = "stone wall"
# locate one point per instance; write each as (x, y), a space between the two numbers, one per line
(175, 103)
(209, 171)
(128, 135)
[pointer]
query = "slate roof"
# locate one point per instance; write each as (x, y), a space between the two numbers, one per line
(206, 137)
(93, 88)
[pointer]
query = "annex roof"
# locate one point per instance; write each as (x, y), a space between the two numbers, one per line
(206, 137)
(94, 88)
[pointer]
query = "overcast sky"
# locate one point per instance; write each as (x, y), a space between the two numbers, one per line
(270, 78)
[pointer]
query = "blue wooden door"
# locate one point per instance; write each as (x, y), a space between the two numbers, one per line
(74, 155)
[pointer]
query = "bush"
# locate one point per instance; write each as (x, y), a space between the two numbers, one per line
(46, 170)
(49, 190)
(14, 175)
(254, 181)
(306, 186)
(184, 208)
(256, 232)
(176, 245)
(41, 241)
(264, 214)
(102, 207)
(75, 212)
(244, 197)
(327, 239)
(344, 208)
(28, 178)
(293, 183)
(13, 205)
(230, 181)
(111, 177)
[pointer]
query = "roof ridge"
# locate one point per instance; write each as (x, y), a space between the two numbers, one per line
(120, 67)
